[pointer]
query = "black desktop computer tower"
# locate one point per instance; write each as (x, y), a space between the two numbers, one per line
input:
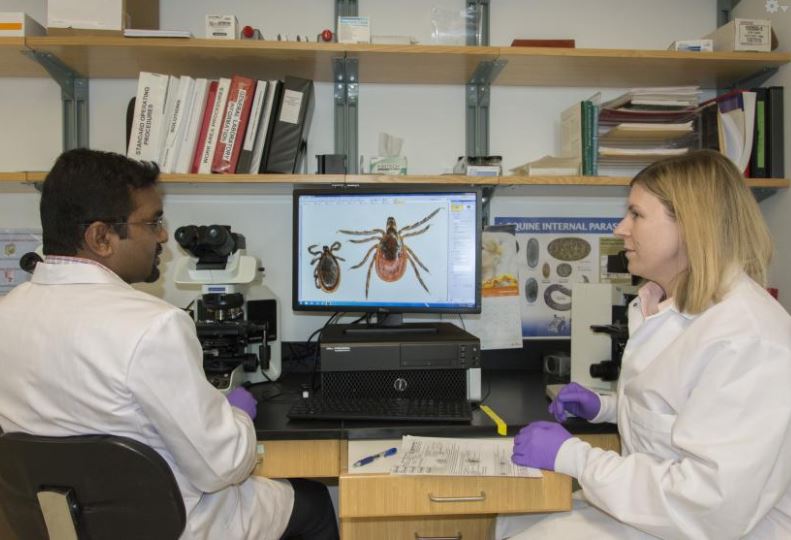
(415, 361)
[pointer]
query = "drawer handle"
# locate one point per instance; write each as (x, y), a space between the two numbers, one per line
(473, 498)
(457, 537)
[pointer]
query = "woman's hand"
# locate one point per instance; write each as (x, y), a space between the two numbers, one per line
(577, 400)
(538, 443)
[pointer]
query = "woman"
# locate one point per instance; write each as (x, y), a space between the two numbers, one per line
(703, 403)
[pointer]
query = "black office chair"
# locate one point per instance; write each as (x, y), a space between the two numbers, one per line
(88, 487)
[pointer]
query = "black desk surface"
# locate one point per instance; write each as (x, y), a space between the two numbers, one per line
(516, 396)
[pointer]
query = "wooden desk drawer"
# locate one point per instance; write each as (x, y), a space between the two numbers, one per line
(300, 459)
(370, 495)
(451, 527)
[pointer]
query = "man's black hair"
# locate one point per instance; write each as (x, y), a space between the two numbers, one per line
(86, 186)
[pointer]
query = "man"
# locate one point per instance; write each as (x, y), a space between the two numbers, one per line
(84, 352)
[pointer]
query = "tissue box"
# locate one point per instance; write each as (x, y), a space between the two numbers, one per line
(86, 16)
(19, 24)
(388, 165)
(743, 35)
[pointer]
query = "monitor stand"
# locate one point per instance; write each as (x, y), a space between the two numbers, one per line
(390, 324)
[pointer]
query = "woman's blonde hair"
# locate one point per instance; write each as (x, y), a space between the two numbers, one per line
(721, 225)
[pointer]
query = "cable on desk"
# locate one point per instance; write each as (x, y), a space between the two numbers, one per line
(486, 395)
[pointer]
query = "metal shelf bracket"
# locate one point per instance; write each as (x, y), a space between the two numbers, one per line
(478, 94)
(346, 96)
(74, 95)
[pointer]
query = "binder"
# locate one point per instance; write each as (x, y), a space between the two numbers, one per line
(758, 161)
(290, 132)
(775, 131)
(263, 138)
(234, 125)
(256, 112)
(149, 113)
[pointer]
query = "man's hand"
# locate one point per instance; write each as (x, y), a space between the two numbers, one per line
(537, 445)
(242, 399)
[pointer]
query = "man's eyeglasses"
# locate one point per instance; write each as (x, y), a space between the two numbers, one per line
(156, 225)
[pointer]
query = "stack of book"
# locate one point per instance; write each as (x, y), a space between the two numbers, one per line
(229, 125)
(644, 125)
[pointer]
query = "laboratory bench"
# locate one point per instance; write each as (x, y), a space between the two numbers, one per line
(381, 505)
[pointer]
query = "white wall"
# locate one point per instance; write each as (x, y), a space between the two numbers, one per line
(524, 121)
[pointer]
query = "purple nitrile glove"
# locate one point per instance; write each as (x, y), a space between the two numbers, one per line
(537, 445)
(242, 399)
(577, 400)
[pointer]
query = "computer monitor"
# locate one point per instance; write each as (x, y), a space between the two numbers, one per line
(387, 249)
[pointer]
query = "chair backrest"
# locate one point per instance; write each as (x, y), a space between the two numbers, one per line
(100, 486)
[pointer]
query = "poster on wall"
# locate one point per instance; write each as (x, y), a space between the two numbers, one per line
(13, 244)
(498, 326)
(552, 254)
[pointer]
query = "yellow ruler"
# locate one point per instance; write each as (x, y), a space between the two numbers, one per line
(502, 429)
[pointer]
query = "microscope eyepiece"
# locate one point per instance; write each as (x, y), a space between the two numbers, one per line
(213, 241)
(186, 236)
(29, 260)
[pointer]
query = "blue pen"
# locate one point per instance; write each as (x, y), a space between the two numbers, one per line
(369, 459)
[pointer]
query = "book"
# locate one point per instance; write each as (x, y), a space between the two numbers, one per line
(170, 103)
(214, 126)
(549, 166)
(775, 132)
(200, 145)
(289, 135)
(147, 119)
(564, 43)
(237, 114)
(571, 132)
(263, 138)
(149, 32)
(256, 111)
(177, 123)
(578, 134)
(192, 128)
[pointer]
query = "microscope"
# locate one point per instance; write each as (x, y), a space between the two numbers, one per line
(599, 329)
(238, 335)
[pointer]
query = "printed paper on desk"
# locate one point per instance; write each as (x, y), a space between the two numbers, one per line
(440, 456)
(498, 324)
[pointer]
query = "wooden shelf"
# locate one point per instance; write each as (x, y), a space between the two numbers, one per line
(328, 179)
(626, 68)
(13, 63)
(119, 57)
(419, 64)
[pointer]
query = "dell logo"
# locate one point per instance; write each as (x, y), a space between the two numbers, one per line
(400, 384)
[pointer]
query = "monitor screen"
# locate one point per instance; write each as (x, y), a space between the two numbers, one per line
(387, 249)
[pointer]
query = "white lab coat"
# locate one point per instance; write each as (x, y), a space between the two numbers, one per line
(84, 352)
(703, 406)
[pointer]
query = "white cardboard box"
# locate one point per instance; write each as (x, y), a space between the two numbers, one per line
(19, 24)
(101, 15)
(354, 30)
(222, 27)
(743, 35)
(692, 45)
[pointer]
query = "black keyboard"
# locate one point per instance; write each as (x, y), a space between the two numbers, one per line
(384, 409)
